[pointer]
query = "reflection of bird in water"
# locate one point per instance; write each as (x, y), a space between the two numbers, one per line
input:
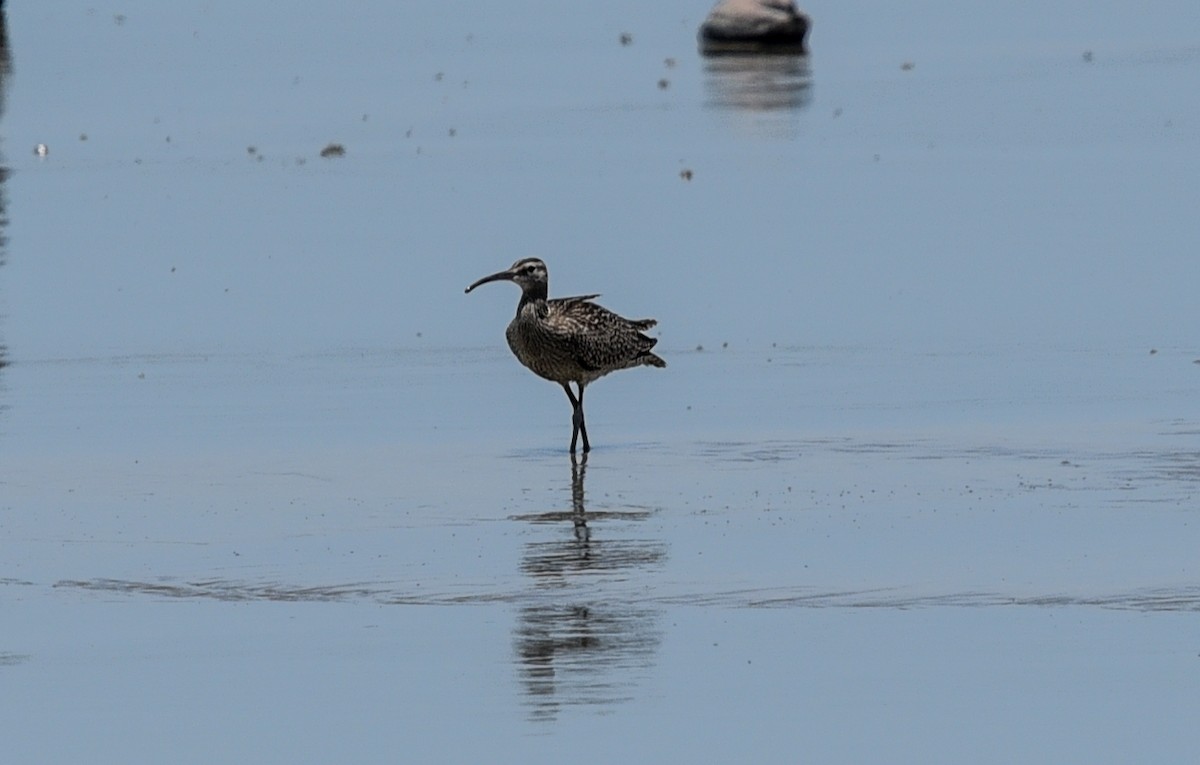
(554, 561)
(571, 339)
(578, 512)
(582, 654)
(5, 71)
(574, 646)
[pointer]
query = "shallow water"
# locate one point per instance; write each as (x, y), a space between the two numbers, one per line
(919, 482)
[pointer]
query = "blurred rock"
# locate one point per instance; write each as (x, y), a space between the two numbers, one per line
(754, 25)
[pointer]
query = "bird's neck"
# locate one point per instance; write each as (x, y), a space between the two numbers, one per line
(533, 295)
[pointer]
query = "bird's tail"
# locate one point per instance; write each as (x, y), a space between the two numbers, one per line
(653, 360)
(643, 324)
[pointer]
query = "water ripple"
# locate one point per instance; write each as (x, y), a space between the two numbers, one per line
(1185, 598)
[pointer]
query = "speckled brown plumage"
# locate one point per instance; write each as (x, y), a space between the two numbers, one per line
(571, 339)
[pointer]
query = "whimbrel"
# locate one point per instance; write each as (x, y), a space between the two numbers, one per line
(570, 340)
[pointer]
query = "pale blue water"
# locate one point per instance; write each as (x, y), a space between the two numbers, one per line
(918, 484)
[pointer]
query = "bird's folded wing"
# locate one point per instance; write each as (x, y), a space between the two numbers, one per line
(577, 298)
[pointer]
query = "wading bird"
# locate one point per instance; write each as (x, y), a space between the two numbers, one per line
(570, 340)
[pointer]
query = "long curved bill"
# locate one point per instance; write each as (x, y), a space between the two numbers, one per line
(505, 275)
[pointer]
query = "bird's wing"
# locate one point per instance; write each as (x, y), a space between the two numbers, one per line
(576, 299)
(597, 337)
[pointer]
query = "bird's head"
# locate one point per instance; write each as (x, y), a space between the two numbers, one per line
(529, 273)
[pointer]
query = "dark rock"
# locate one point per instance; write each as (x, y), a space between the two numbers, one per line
(770, 26)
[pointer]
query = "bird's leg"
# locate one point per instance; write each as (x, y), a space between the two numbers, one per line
(576, 418)
(581, 424)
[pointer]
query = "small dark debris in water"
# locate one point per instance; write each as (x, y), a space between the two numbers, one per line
(699, 348)
(685, 174)
(453, 132)
(168, 139)
(664, 83)
(333, 150)
(725, 345)
(1197, 361)
(252, 150)
(408, 133)
(689, 407)
(172, 269)
(669, 63)
(418, 334)
(626, 38)
(1087, 56)
(907, 66)
(837, 112)
(118, 18)
(300, 160)
(1153, 351)
(141, 375)
(365, 117)
(83, 136)
(876, 157)
(1065, 463)
(438, 77)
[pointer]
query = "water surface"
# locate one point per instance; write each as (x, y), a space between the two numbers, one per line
(922, 470)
